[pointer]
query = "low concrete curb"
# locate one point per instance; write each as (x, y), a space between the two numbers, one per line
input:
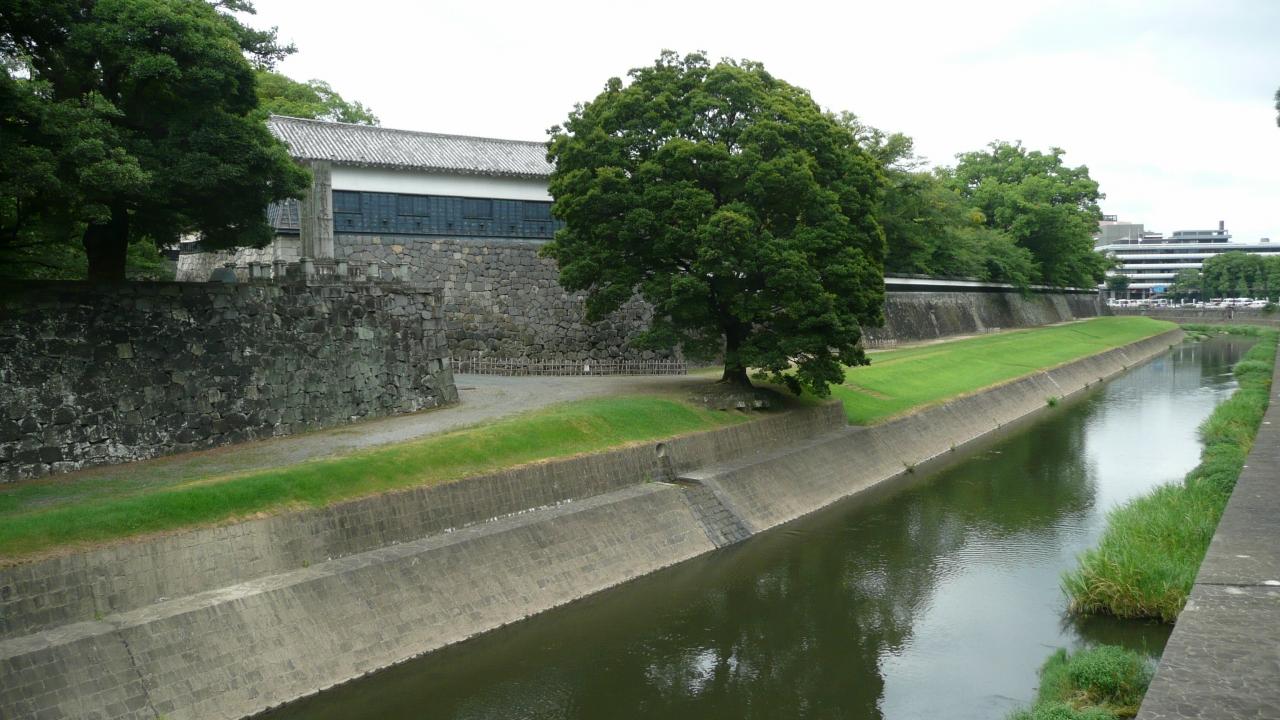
(295, 627)
(1223, 658)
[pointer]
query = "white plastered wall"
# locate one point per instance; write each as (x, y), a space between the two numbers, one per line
(416, 182)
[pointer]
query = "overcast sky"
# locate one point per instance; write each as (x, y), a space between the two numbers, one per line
(1168, 102)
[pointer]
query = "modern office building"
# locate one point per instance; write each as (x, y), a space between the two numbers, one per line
(1151, 260)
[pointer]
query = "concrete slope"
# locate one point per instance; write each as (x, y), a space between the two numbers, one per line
(231, 649)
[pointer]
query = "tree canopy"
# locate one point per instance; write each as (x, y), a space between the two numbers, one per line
(733, 204)
(1045, 206)
(315, 99)
(1240, 274)
(1187, 283)
(133, 120)
(1118, 283)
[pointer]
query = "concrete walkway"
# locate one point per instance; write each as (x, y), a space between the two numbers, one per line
(483, 398)
(1223, 658)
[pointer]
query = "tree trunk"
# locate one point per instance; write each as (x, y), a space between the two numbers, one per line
(107, 246)
(735, 372)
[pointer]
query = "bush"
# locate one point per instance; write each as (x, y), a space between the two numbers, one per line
(1100, 683)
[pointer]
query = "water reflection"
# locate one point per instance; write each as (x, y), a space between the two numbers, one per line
(935, 598)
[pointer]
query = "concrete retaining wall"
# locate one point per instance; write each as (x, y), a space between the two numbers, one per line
(1223, 658)
(827, 469)
(1207, 316)
(234, 650)
(36, 596)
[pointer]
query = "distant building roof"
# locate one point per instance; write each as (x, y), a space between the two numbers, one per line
(382, 147)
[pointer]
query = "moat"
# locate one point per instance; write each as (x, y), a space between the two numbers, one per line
(937, 596)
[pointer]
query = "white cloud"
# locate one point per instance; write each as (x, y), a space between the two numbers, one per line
(1167, 101)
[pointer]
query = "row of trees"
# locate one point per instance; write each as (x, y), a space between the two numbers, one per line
(1004, 213)
(1230, 274)
(125, 124)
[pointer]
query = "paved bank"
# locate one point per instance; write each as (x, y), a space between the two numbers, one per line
(225, 622)
(1205, 316)
(1223, 658)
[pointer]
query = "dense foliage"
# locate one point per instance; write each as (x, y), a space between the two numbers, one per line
(129, 121)
(1186, 285)
(1098, 683)
(314, 99)
(730, 201)
(929, 228)
(1047, 207)
(1240, 274)
(1118, 283)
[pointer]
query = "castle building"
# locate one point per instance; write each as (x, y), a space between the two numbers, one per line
(392, 183)
(463, 217)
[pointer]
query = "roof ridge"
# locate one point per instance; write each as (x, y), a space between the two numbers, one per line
(367, 128)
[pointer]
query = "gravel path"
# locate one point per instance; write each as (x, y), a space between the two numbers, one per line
(484, 398)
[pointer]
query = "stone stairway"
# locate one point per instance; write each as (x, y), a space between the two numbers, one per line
(722, 526)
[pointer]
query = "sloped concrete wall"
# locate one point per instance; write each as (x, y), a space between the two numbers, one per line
(40, 595)
(235, 650)
(914, 316)
(799, 480)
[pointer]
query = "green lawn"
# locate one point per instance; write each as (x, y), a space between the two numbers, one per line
(900, 380)
(37, 516)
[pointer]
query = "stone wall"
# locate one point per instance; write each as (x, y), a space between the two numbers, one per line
(499, 297)
(93, 375)
(914, 316)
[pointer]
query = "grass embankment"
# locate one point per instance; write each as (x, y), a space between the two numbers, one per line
(1099, 683)
(900, 380)
(36, 517)
(1148, 557)
(29, 526)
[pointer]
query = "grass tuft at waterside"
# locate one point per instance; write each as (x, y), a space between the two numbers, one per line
(32, 521)
(898, 381)
(1147, 560)
(1100, 683)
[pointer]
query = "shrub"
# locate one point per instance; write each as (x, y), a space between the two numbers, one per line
(1100, 683)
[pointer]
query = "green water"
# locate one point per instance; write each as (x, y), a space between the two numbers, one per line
(935, 598)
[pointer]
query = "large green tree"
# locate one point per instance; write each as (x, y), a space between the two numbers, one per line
(1047, 207)
(133, 120)
(1118, 283)
(1187, 283)
(730, 201)
(315, 99)
(1234, 274)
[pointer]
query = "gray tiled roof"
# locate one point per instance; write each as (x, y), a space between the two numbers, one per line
(381, 147)
(284, 215)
